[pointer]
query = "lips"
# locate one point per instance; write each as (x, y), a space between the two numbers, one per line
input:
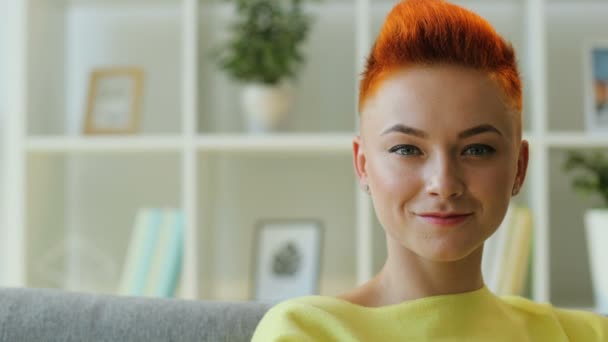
(444, 214)
(445, 219)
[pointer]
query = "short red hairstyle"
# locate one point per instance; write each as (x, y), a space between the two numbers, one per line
(428, 32)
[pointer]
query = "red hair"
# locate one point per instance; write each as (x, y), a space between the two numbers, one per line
(429, 32)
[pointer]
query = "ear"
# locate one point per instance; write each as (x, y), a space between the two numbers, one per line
(360, 160)
(522, 167)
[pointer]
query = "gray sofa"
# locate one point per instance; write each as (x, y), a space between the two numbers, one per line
(37, 315)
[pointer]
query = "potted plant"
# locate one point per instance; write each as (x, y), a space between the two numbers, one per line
(264, 53)
(594, 180)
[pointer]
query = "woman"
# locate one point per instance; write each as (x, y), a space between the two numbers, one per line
(441, 153)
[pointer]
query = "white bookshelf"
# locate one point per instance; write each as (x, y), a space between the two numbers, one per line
(192, 152)
(3, 110)
(99, 144)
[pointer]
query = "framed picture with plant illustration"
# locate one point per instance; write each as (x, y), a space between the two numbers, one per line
(114, 101)
(286, 260)
(596, 86)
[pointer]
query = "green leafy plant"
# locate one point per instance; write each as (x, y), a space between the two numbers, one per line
(594, 179)
(266, 40)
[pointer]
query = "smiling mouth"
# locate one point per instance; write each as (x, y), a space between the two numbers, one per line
(445, 220)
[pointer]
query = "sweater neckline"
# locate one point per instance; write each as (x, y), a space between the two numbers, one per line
(448, 300)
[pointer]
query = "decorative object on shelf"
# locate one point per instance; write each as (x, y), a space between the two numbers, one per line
(154, 257)
(75, 263)
(507, 253)
(114, 101)
(287, 259)
(594, 181)
(264, 54)
(596, 87)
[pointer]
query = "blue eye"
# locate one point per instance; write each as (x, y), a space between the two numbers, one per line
(406, 150)
(479, 150)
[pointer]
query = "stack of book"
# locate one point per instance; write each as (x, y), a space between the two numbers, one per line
(507, 255)
(154, 257)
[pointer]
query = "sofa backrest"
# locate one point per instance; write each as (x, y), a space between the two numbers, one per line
(53, 315)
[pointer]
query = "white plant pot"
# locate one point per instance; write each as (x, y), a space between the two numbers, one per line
(596, 224)
(265, 106)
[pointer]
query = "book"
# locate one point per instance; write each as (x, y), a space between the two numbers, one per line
(506, 262)
(518, 255)
(494, 251)
(158, 254)
(172, 264)
(139, 252)
(154, 257)
(143, 264)
(528, 290)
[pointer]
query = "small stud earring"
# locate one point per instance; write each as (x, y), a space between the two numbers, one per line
(366, 188)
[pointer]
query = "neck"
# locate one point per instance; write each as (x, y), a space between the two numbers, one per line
(407, 276)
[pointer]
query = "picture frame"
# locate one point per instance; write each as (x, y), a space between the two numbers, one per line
(114, 101)
(596, 86)
(286, 259)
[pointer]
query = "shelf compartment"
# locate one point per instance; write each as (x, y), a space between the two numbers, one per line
(327, 83)
(568, 246)
(570, 25)
(67, 40)
(236, 192)
(81, 211)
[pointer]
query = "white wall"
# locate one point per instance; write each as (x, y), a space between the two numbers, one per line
(243, 189)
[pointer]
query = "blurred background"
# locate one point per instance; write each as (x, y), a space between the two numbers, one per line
(226, 120)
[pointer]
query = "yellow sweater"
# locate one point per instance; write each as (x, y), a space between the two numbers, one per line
(472, 316)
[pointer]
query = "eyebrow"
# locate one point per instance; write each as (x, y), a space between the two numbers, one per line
(400, 128)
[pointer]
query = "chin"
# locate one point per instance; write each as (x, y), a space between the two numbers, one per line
(444, 252)
(443, 257)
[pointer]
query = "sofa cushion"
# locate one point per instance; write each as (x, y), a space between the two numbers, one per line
(53, 315)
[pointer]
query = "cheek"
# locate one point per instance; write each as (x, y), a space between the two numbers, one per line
(394, 185)
(491, 187)
(394, 179)
(491, 182)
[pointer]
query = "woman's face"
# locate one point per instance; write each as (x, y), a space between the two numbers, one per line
(440, 140)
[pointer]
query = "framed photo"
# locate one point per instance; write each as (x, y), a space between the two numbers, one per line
(287, 256)
(596, 86)
(114, 101)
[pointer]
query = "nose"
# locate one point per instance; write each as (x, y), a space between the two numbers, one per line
(444, 178)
